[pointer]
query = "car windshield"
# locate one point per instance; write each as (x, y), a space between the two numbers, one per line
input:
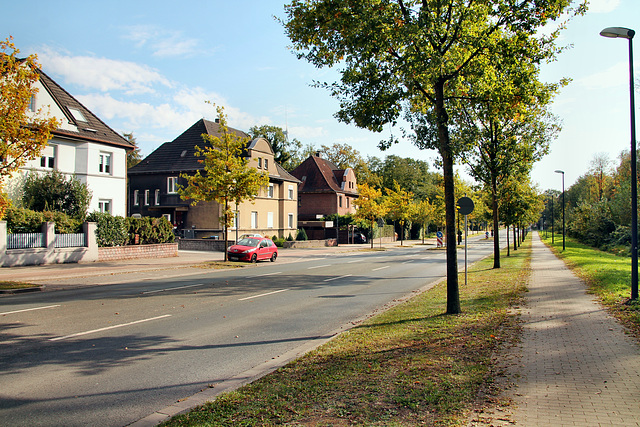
(249, 241)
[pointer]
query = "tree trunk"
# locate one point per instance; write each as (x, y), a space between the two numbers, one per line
(453, 292)
(508, 245)
(515, 238)
(496, 223)
(226, 232)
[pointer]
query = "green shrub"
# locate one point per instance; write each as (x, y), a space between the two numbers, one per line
(149, 230)
(302, 235)
(290, 238)
(110, 230)
(20, 220)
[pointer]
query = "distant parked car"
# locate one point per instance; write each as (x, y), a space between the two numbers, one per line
(244, 236)
(357, 238)
(253, 249)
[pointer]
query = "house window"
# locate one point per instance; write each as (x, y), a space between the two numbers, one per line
(347, 202)
(32, 104)
(259, 162)
(172, 184)
(48, 158)
(340, 201)
(270, 191)
(254, 219)
(290, 223)
(104, 206)
(146, 197)
(266, 163)
(136, 197)
(105, 163)
(234, 224)
(167, 216)
(269, 219)
(291, 192)
(157, 198)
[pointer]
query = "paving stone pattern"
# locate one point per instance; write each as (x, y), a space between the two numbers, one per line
(578, 366)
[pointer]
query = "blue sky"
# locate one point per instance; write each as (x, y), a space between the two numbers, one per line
(148, 67)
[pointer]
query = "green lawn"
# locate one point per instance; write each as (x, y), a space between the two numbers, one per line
(5, 285)
(607, 275)
(410, 365)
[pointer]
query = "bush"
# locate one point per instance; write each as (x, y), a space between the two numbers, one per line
(20, 220)
(302, 235)
(149, 230)
(289, 238)
(54, 191)
(110, 230)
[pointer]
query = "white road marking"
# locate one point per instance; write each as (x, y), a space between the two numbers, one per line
(108, 328)
(380, 268)
(407, 262)
(173, 289)
(355, 260)
(263, 295)
(336, 278)
(318, 266)
(29, 309)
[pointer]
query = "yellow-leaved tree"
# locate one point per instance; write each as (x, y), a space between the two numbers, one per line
(226, 176)
(23, 132)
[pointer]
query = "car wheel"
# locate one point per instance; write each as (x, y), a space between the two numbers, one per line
(274, 256)
(254, 258)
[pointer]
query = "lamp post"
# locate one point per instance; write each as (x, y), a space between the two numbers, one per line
(563, 229)
(626, 33)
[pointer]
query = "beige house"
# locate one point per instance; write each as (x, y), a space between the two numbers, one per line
(153, 190)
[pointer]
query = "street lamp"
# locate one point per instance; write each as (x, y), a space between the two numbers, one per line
(626, 33)
(563, 229)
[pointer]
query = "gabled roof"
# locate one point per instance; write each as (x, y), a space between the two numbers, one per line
(91, 128)
(178, 155)
(319, 175)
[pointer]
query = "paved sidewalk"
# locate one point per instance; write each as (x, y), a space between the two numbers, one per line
(578, 367)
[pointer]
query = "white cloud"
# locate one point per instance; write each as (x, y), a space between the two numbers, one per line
(162, 42)
(613, 76)
(101, 73)
(303, 132)
(603, 6)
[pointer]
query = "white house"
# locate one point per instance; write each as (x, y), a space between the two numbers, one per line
(83, 146)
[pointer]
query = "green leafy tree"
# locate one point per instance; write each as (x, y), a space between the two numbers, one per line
(410, 59)
(226, 176)
(54, 191)
(133, 156)
(23, 133)
(423, 213)
(370, 207)
(398, 203)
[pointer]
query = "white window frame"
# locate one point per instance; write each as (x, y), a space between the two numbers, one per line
(172, 185)
(291, 192)
(270, 191)
(136, 197)
(104, 205)
(259, 162)
(157, 198)
(290, 223)
(269, 219)
(254, 220)
(266, 164)
(146, 197)
(105, 165)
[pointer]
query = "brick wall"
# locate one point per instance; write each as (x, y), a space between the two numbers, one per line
(162, 250)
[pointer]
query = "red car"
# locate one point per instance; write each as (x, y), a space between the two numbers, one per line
(253, 249)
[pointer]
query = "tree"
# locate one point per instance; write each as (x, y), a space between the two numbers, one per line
(370, 206)
(410, 59)
(279, 140)
(398, 206)
(423, 212)
(133, 156)
(412, 175)
(54, 191)
(23, 133)
(344, 156)
(226, 176)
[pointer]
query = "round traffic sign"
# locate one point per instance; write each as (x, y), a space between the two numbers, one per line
(465, 205)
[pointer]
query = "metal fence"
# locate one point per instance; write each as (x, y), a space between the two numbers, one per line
(70, 240)
(37, 240)
(25, 240)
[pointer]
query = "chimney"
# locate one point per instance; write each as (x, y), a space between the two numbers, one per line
(318, 154)
(217, 120)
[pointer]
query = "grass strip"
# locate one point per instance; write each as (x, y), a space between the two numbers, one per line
(408, 366)
(608, 276)
(8, 285)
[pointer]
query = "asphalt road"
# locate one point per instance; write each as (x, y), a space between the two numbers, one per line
(111, 355)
